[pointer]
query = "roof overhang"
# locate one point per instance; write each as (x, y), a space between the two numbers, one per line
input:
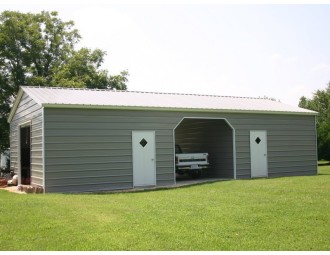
(15, 105)
(172, 109)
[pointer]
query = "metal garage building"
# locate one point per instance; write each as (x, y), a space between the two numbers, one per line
(79, 140)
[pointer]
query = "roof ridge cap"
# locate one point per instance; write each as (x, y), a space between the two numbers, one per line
(146, 92)
(189, 94)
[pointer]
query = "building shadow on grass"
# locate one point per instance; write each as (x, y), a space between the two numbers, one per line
(324, 163)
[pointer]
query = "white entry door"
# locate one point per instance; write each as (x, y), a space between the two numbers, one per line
(144, 161)
(258, 150)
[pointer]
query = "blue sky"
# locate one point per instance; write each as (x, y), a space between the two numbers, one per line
(280, 51)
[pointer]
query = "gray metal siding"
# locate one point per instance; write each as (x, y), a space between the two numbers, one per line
(89, 150)
(291, 144)
(28, 111)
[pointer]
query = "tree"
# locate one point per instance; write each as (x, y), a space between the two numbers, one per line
(39, 50)
(81, 70)
(320, 103)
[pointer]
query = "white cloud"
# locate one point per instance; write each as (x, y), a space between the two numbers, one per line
(282, 59)
(276, 56)
(323, 68)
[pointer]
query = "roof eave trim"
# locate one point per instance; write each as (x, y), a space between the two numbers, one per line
(16, 103)
(144, 108)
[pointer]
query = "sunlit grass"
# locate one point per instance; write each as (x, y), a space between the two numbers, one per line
(262, 214)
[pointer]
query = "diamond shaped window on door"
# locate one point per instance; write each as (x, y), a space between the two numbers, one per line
(258, 140)
(143, 142)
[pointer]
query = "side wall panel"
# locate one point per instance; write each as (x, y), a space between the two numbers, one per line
(28, 112)
(89, 150)
(291, 144)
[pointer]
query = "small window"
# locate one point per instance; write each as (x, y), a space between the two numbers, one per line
(143, 142)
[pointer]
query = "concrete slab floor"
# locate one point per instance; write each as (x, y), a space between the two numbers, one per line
(180, 182)
(12, 189)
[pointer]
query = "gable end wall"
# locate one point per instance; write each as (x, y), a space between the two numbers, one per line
(28, 111)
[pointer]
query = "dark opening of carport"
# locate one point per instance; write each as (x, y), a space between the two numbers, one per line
(214, 136)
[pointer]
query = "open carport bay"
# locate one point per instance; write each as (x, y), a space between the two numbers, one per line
(214, 136)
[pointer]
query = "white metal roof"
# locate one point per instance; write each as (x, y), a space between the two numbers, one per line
(79, 98)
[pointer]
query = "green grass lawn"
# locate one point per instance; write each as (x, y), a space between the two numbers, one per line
(290, 213)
